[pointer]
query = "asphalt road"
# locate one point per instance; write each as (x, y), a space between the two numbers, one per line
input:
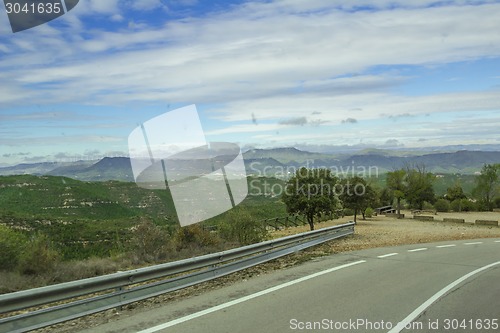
(439, 287)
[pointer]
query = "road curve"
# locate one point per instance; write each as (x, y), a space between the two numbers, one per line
(436, 287)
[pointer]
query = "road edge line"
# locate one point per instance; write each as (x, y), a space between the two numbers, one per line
(246, 298)
(412, 316)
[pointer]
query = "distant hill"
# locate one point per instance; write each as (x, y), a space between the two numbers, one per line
(279, 161)
(29, 168)
(109, 168)
(461, 161)
(282, 155)
(70, 199)
(466, 162)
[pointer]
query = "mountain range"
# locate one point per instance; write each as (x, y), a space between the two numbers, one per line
(271, 162)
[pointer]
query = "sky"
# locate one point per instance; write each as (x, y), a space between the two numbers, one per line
(262, 74)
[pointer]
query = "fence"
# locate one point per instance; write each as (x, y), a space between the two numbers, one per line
(297, 220)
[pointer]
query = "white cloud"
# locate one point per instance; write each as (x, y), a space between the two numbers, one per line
(277, 60)
(102, 7)
(435, 132)
(147, 4)
(55, 140)
(117, 18)
(246, 128)
(212, 59)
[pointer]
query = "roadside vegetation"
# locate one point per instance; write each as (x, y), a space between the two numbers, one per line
(56, 229)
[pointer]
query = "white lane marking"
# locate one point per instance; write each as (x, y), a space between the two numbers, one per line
(498, 241)
(449, 245)
(388, 255)
(474, 243)
(246, 298)
(412, 316)
(417, 250)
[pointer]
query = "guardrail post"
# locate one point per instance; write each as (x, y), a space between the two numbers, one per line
(119, 290)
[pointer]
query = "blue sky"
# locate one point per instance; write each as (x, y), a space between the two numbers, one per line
(262, 73)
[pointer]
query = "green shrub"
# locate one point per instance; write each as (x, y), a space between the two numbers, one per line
(241, 227)
(463, 205)
(150, 242)
(194, 236)
(427, 206)
(38, 256)
(497, 202)
(456, 205)
(12, 243)
(442, 205)
(468, 206)
(369, 212)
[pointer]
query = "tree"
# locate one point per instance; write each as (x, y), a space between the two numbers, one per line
(497, 202)
(311, 192)
(356, 195)
(395, 182)
(372, 199)
(385, 197)
(455, 192)
(487, 185)
(419, 187)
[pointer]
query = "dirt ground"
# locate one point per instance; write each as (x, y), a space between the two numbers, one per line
(380, 231)
(373, 232)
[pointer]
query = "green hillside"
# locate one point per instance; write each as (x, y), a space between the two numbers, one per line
(66, 198)
(83, 218)
(89, 219)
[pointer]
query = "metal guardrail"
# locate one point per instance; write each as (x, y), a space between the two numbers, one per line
(118, 289)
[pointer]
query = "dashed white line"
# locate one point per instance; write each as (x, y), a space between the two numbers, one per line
(388, 255)
(417, 250)
(246, 298)
(398, 328)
